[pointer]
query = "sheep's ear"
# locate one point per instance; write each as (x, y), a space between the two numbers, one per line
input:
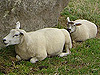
(18, 25)
(68, 19)
(70, 22)
(78, 24)
(21, 33)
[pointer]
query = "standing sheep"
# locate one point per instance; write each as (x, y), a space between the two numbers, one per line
(81, 30)
(38, 44)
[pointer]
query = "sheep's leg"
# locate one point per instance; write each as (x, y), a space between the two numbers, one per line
(42, 53)
(64, 54)
(18, 57)
(67, 50)
(33, 60)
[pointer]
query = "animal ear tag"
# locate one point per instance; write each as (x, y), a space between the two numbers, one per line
(18, 25)
(78, 24)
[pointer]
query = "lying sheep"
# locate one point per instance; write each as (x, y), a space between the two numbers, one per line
(81, 30)
(38, 44)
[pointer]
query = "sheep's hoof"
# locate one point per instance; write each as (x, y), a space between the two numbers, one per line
(69, 52)
(33, 60)
(63, 54)
(18, 57)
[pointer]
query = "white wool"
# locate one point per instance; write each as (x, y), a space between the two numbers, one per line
(39, 44)
(85, 31)
(81, 30)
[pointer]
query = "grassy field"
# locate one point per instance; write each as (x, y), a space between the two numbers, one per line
(85, 56)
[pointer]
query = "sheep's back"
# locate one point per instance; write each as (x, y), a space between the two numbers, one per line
(80, 34)
(55, 41)
(85, 31)
(52, 39)
(92, 28)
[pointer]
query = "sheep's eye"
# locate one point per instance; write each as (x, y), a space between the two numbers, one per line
(74, 25)
(15, 35)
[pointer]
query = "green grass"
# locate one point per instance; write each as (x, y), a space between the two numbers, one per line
(83, 60)
(82, 9)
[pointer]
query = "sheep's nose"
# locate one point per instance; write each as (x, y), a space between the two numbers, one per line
(68, 30)
(4, 40)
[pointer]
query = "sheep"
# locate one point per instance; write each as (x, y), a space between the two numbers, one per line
(37, 45)
(81, 30)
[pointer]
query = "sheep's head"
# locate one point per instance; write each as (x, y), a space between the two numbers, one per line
(71, 26)
(14, 36)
